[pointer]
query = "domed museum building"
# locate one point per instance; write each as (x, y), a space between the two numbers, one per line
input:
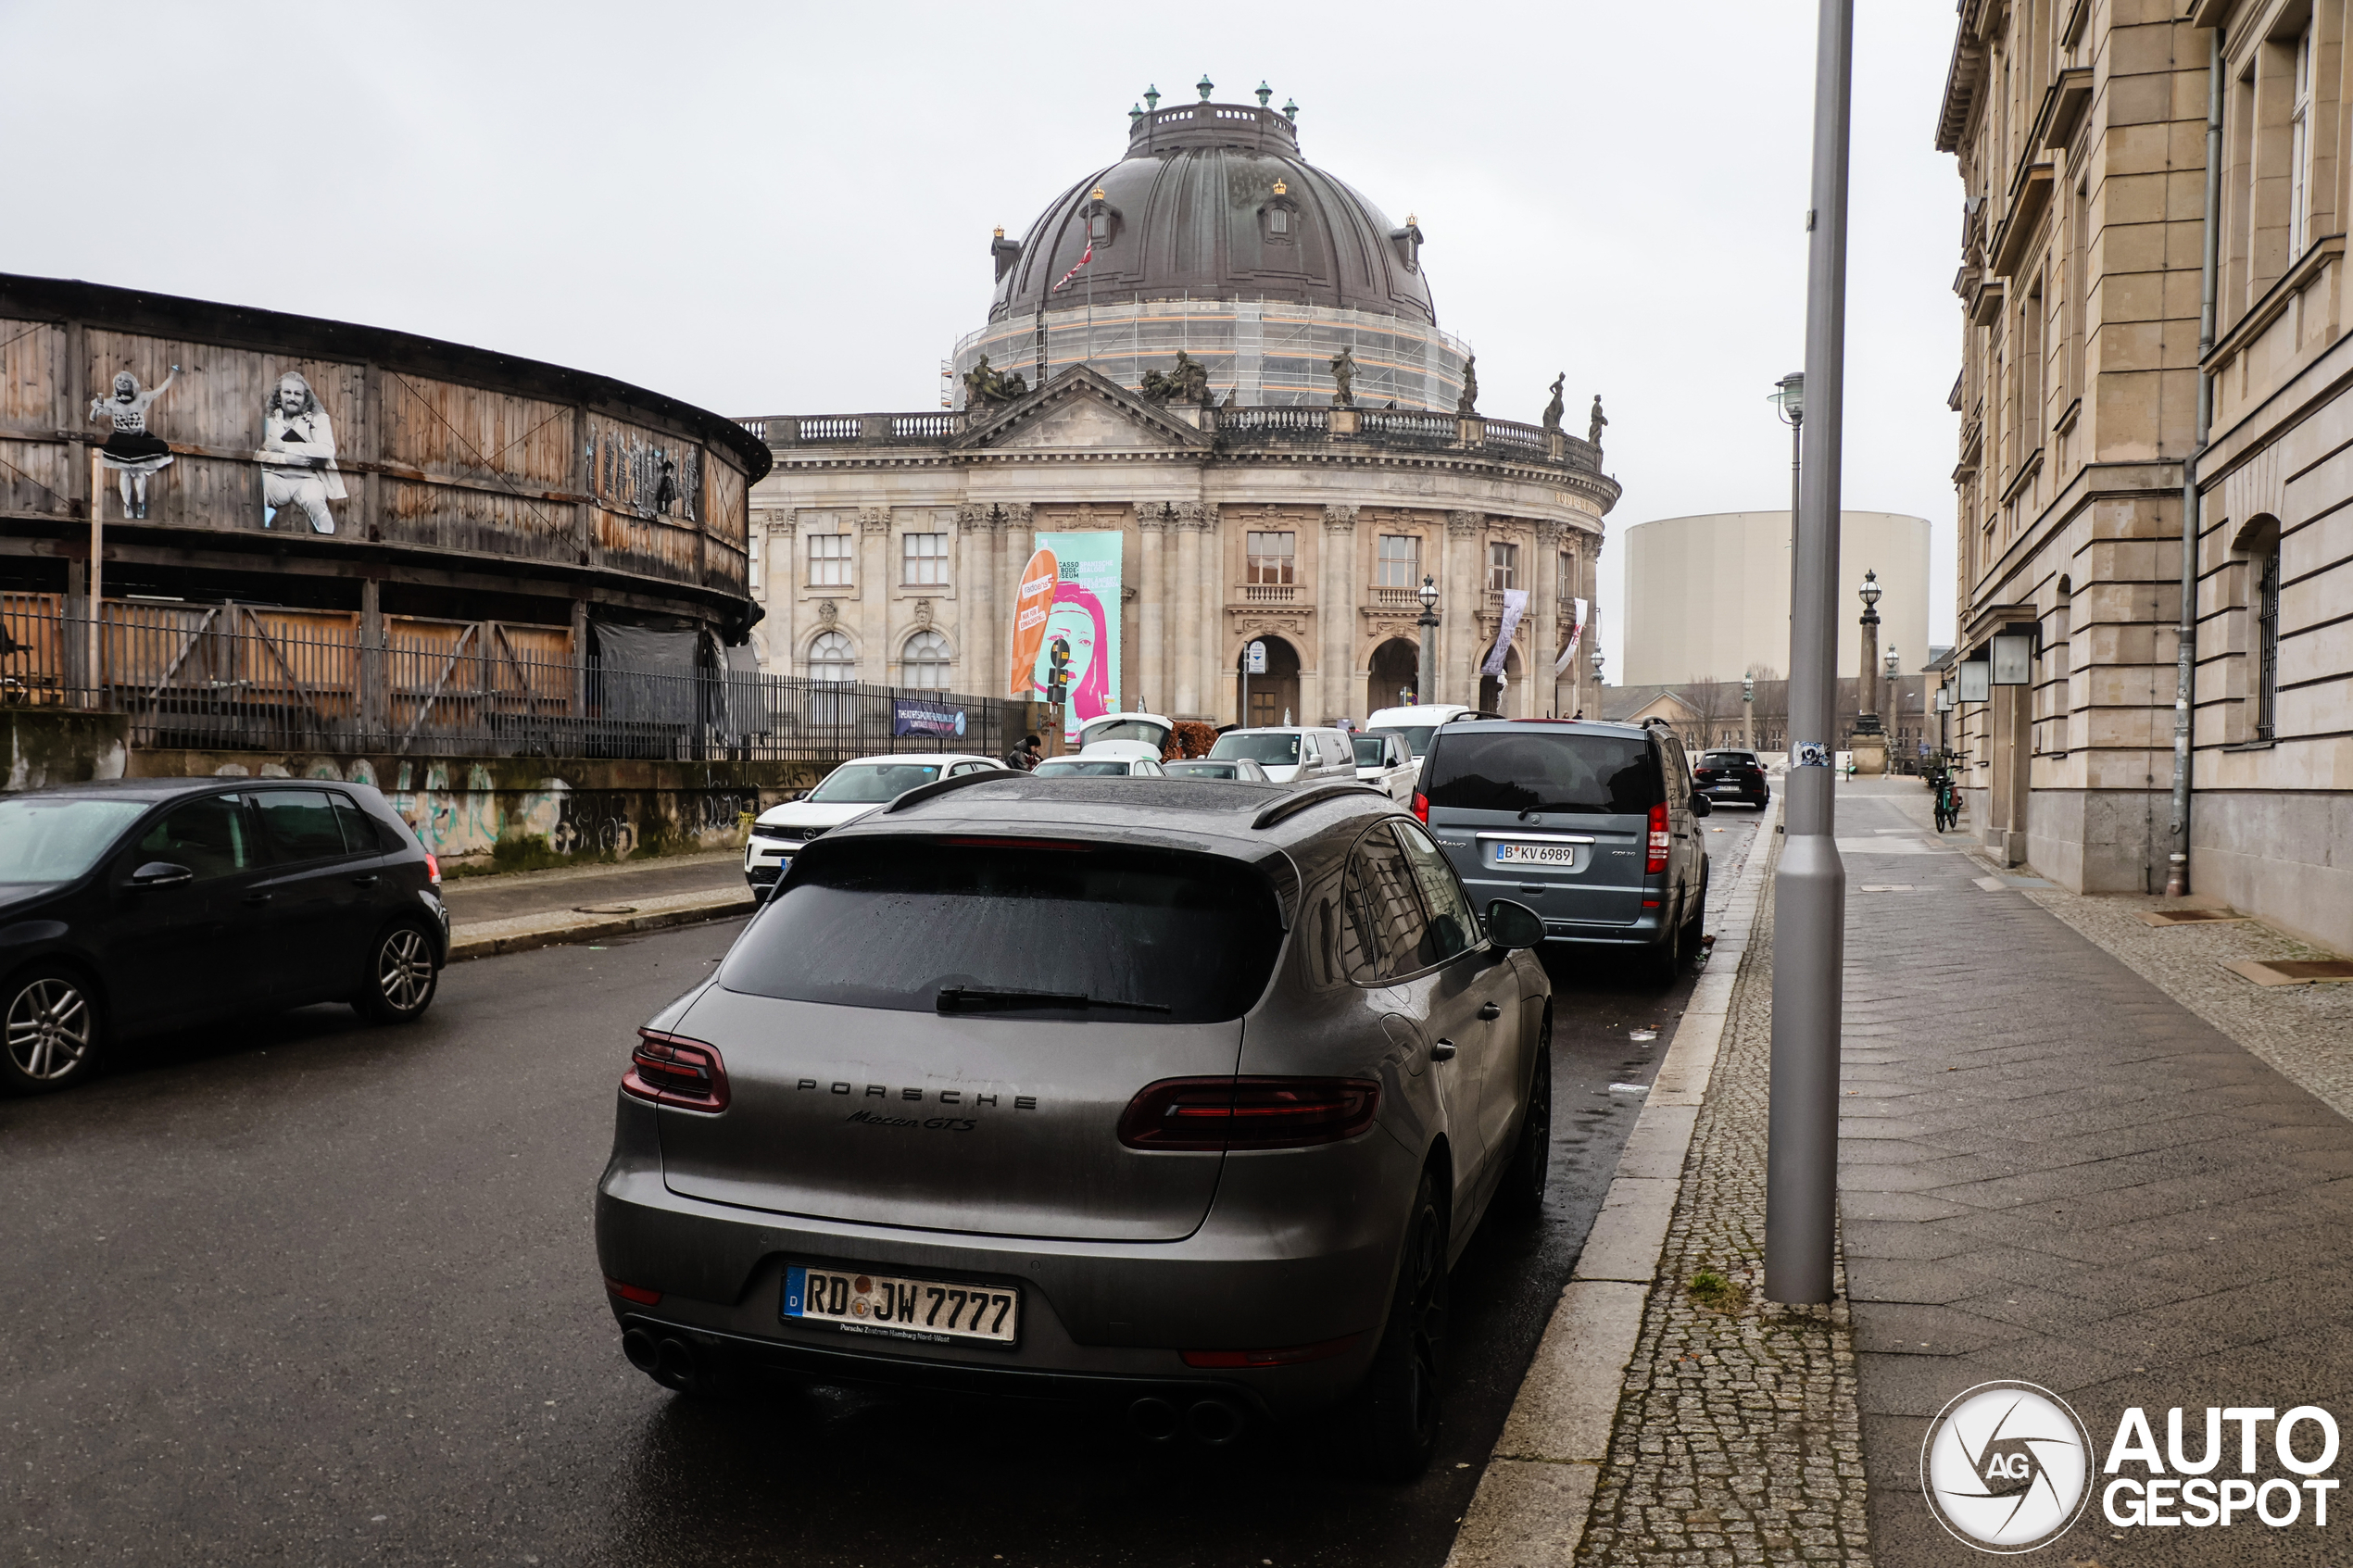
(1212, 382)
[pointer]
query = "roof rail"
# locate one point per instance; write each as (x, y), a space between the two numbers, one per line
(1313, 795)
(924, 792)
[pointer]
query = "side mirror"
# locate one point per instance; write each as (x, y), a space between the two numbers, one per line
(162, 873)
(1700, 804)
(1512, 926)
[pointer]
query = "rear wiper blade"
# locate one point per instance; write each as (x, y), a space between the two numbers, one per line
(972, 998)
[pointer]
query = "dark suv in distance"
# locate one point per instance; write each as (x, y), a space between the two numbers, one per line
(138, 904)
(1590, 825)
(1732, 775)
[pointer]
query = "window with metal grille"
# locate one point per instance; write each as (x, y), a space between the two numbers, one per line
(1272, 557)
(832, 658)
(924, 665)
(2267, 644)
(829, 559)
(924, 559)
(1398, 565)
(1502, 566)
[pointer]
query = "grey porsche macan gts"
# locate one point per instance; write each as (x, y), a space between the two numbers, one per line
(1182, 1095)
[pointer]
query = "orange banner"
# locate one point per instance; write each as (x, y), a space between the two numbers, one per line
(1031, 607)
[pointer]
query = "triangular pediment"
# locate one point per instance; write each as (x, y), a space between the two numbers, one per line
(1081, 410)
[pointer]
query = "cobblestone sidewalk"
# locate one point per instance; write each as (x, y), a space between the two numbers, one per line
(1738, 1439)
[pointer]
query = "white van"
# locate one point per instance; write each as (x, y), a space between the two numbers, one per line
(1291, 753)
(1127, 734)
(1418, 723)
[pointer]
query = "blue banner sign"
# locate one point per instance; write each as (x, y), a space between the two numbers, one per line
(912, 716)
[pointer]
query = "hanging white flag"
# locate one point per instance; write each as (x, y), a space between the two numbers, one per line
(1515, 605)
(1576, 631)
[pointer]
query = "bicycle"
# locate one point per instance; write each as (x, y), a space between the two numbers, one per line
(1949, 804)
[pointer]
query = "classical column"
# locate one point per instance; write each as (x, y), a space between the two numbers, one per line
(1464, 591)
(1217, 685)
(1185, 602)
(975, 604)
(1542, 643)
(873, 589)
(1150, 678)
(1336, 609)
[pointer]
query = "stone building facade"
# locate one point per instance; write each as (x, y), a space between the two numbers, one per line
(1231, 359)
(2081, 129)
(891, 545)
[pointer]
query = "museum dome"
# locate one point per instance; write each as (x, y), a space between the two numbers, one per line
(1214, 202)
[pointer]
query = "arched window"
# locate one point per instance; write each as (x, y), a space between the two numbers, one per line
(832, 658)
(924, 662)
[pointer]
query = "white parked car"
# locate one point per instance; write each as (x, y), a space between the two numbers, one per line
(1384, 760)
(1417, 725)
(1291, 753)
(1087, 766)
(1128, 734)
(1233, 769)
(850, 791)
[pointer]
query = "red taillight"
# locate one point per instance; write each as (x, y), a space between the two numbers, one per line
(636, 1293)
(433, 868)
(1421, 808)
(1214, 1113)
(1657, 860)
(1289, 1356)
(668, 1069)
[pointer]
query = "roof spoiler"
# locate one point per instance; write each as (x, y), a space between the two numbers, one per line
(1293, 803)
(921, 793)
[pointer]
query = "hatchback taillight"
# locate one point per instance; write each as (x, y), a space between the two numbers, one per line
(433, 868)
(1657, 859)
(671, 1071)
(1226, 1114)
(1421, 808)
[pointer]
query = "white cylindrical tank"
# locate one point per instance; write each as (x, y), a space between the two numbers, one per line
(1707, 596)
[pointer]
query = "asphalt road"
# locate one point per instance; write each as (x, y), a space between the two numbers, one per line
(300, 1291)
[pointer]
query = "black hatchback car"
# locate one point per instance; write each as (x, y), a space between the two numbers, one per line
(138, 904)
(1732, 775)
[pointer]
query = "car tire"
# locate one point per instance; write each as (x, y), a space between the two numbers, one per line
(1665, 960)
(401, 975)
(1696, 928)
(51, 1030)
(1522, 1194)
(1399, 1404)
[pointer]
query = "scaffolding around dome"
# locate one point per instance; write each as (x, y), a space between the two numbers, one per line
(1262, 353)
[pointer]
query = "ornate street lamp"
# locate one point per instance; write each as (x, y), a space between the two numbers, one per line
(1867, 721)
(1788, 398)
(1426, 681)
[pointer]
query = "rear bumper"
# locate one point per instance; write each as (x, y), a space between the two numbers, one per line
(1099, 1319)
(1646, 932)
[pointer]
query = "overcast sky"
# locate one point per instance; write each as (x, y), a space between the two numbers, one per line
(786, 208)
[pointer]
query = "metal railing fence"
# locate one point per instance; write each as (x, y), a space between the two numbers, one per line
(193, 677)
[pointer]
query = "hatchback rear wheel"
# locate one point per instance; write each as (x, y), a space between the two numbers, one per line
(401, 978)
(49, 1031)
(1522, 1194)
(1399, 1403)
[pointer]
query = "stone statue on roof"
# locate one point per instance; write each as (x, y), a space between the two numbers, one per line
(1344, 380)
(1599, 422)
(985, 387)
(1553, 409)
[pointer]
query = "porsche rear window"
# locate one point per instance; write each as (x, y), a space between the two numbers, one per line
(1143, 936)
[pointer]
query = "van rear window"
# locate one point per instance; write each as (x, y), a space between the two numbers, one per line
(1108, 935)
(1524, 770)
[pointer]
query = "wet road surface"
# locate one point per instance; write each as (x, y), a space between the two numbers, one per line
(301, 1291)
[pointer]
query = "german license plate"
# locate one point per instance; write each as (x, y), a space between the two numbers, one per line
(936, 1312)
(1561, 854)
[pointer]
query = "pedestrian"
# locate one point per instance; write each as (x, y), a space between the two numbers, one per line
(1023, 758)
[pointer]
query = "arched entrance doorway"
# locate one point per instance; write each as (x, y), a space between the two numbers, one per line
(1396, 670)
(1495, 693)
(1272, 694)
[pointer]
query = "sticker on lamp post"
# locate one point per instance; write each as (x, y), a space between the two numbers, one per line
(1812, 754)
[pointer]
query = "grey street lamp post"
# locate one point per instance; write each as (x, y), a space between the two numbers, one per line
(1788, 398)
(1810, 884)
(1427, 680)
(1866, 690)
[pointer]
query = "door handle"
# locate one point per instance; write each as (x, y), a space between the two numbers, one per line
(1491, 1011)
(1442, 1050)
(259, 897)
(368, 881)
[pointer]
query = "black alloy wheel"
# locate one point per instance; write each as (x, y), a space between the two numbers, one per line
(1696, 927)
(1399, 1404)
(1664, 962)
(49, 1031)
(401, 978)
(1522, 1194)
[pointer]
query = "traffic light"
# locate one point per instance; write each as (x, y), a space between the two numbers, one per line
(1058, 672)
